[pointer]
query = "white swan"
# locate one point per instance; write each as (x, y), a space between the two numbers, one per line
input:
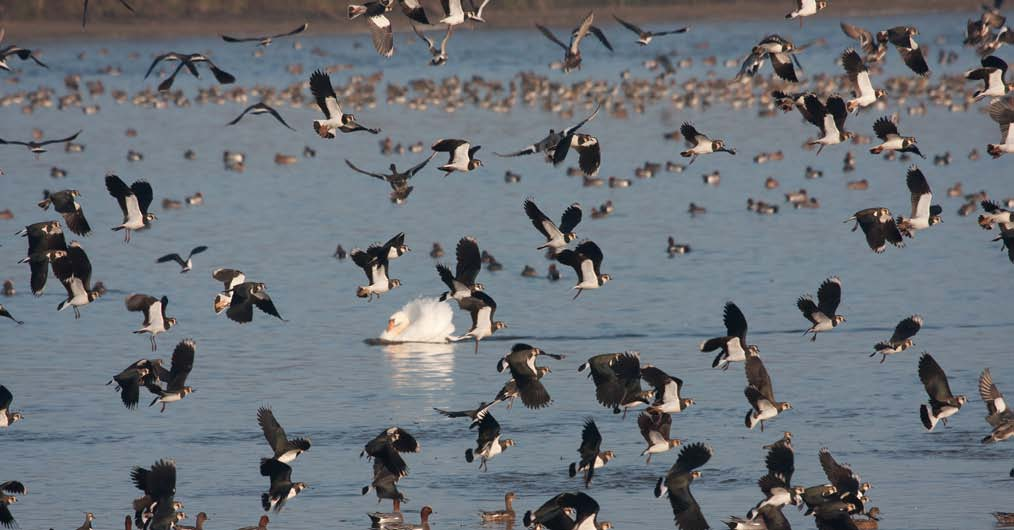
(421, 320)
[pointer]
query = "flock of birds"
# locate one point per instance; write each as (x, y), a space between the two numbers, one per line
(841, 503)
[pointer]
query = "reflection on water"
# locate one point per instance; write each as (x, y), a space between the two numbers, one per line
(421, 365)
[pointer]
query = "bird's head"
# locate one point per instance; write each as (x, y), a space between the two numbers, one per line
(607, 456)
(907, 344)
(509, 443)
(499, 324)
(394, 283)
(348, 119)
(94, 295)
(863, 489)
(753, 349)
(821, 4)
(908, 141)
(838, 319)
(686, 402)
(962, 400)
(569, 236)
(17, 416)
(784, 406)
(186, 390)
(398, 321)
(53, 255)
(882, 37)
(543, 370)
(474, 164)
(880, 93)
(300, 486)
(675, 442)
(935, 219)
(170, 322)
(605, 278)
(695, 474)
(994, 150)
(149, 217)
(75, 193)
(478, 287)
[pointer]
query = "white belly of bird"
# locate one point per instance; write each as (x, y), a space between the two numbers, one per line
(170, 398)
(494, 449)
(892, 144)
(947, 412)
(657, 448)
(823, 325)
(4, 421)
(80, 297)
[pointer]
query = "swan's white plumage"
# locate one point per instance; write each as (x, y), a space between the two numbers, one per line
(421, 320)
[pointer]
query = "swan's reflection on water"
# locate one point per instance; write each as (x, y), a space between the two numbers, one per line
(421, 365)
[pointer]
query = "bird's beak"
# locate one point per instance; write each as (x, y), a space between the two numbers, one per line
(390, 324)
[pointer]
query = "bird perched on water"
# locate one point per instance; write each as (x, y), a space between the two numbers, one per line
(667, 392)
(396, 179)
(557, 236)
(761, 394)
(655, 431)
(65, 204)
(461, 283)
(644, 37)
(374, 261)
(507, 514)
(526, 375)
(260, 108)
(7, 314)
(891, 140)
(822, 313)
(185, 264)
(992, 74)
(462, 155)
(245, 296)
(39, 146)
(7, 416)
(676, 483)
(155, 319)
(586, 260)
(901, 339)
(806, 8)
(12, 487)
(700, 144)
(190, 61)
(157, 509)
(267, 39)
(438, 56)
(592, 456)
(482, 308)
(282, 487)
(134, 203)
(488, 443)
(378, 23)
(617, 378)
(572, 52)
(879, 226)
(285, 449)
(734, 347)
(863, 92)
(1002, 112)
(576, 511)
(176, 387)
(327, 100)
(942, 403)
(781, 52)
(74, 271)
(924, 213)
(829, 117)
(903, 38)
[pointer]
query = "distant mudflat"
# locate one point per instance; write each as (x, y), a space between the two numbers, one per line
(150, 22)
